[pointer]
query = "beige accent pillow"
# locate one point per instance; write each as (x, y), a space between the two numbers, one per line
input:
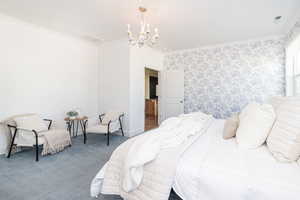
(230, 127)
(256, 121)
(284, 139)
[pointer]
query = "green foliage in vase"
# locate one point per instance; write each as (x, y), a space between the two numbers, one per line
(72, 113)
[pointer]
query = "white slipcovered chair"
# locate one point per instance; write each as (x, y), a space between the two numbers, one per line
(110, 122)
(27, 134)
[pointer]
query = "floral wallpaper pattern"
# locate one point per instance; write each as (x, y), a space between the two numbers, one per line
(221, 80)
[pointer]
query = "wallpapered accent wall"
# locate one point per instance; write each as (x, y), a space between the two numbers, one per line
(221, 80)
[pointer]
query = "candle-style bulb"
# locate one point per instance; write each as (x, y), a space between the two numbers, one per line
(128, 27)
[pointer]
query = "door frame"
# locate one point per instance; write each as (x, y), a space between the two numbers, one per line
(159, 100)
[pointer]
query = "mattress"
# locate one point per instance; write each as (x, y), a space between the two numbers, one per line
(214, 168)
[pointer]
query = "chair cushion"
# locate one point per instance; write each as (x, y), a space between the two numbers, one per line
(111, 116)
(9, 131)
(102, 128)
(31, 122)
(28, 139)
(12, 122)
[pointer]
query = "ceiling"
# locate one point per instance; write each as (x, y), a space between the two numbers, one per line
(182, 23)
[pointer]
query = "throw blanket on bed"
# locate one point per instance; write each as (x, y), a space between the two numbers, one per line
(55, 141)
(143, 168)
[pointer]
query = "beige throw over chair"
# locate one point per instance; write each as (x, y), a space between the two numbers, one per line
(29, 130)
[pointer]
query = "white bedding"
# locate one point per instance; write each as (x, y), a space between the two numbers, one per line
(213, 168)
(144, 167)
(172, 132)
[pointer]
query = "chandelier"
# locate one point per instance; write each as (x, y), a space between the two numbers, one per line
(145, 36)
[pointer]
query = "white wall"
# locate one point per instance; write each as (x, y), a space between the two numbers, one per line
(45, 72)
(139, 59)
(122, 81)
(49, 73)
(114, 78)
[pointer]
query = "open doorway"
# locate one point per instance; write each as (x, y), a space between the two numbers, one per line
(151, 99)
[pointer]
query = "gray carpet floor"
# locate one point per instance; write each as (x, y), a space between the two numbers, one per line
(63, 176)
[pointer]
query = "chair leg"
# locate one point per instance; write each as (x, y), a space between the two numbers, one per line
(84, 137)
(108, 139)
(121, 127)
(108, 132)
(12, 143)
(36, 149)
(83, 127)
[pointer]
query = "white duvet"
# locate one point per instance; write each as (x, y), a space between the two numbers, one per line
(172, 133)
(216, 169)
(124, 172)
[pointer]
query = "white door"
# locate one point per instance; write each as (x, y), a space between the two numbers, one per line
(172, 93)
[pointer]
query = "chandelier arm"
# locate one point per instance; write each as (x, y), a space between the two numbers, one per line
(145, 36)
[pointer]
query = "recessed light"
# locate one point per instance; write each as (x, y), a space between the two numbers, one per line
(277, 19)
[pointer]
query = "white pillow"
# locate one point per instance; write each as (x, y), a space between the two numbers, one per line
(32, 122)
(230, 127)
(256, 121)
(284, 139)
(195, 115)
(276, 102)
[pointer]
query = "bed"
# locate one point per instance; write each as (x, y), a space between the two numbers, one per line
(214, 168)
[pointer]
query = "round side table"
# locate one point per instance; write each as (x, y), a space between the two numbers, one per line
(71, 122)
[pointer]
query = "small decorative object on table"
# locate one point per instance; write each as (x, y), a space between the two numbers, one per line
(72, 114)
(72, 118)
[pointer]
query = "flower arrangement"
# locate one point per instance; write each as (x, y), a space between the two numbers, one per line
(72, 114)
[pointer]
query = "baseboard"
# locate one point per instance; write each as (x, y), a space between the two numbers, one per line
(3, 151)
(135, 132)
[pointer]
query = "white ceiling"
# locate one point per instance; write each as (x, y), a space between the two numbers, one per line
(182, 23)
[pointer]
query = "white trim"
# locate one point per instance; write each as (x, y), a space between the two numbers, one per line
(274, 37)
(3, 151)
(291, 23)
(134, 132)
(292, 61)
(295, 88)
